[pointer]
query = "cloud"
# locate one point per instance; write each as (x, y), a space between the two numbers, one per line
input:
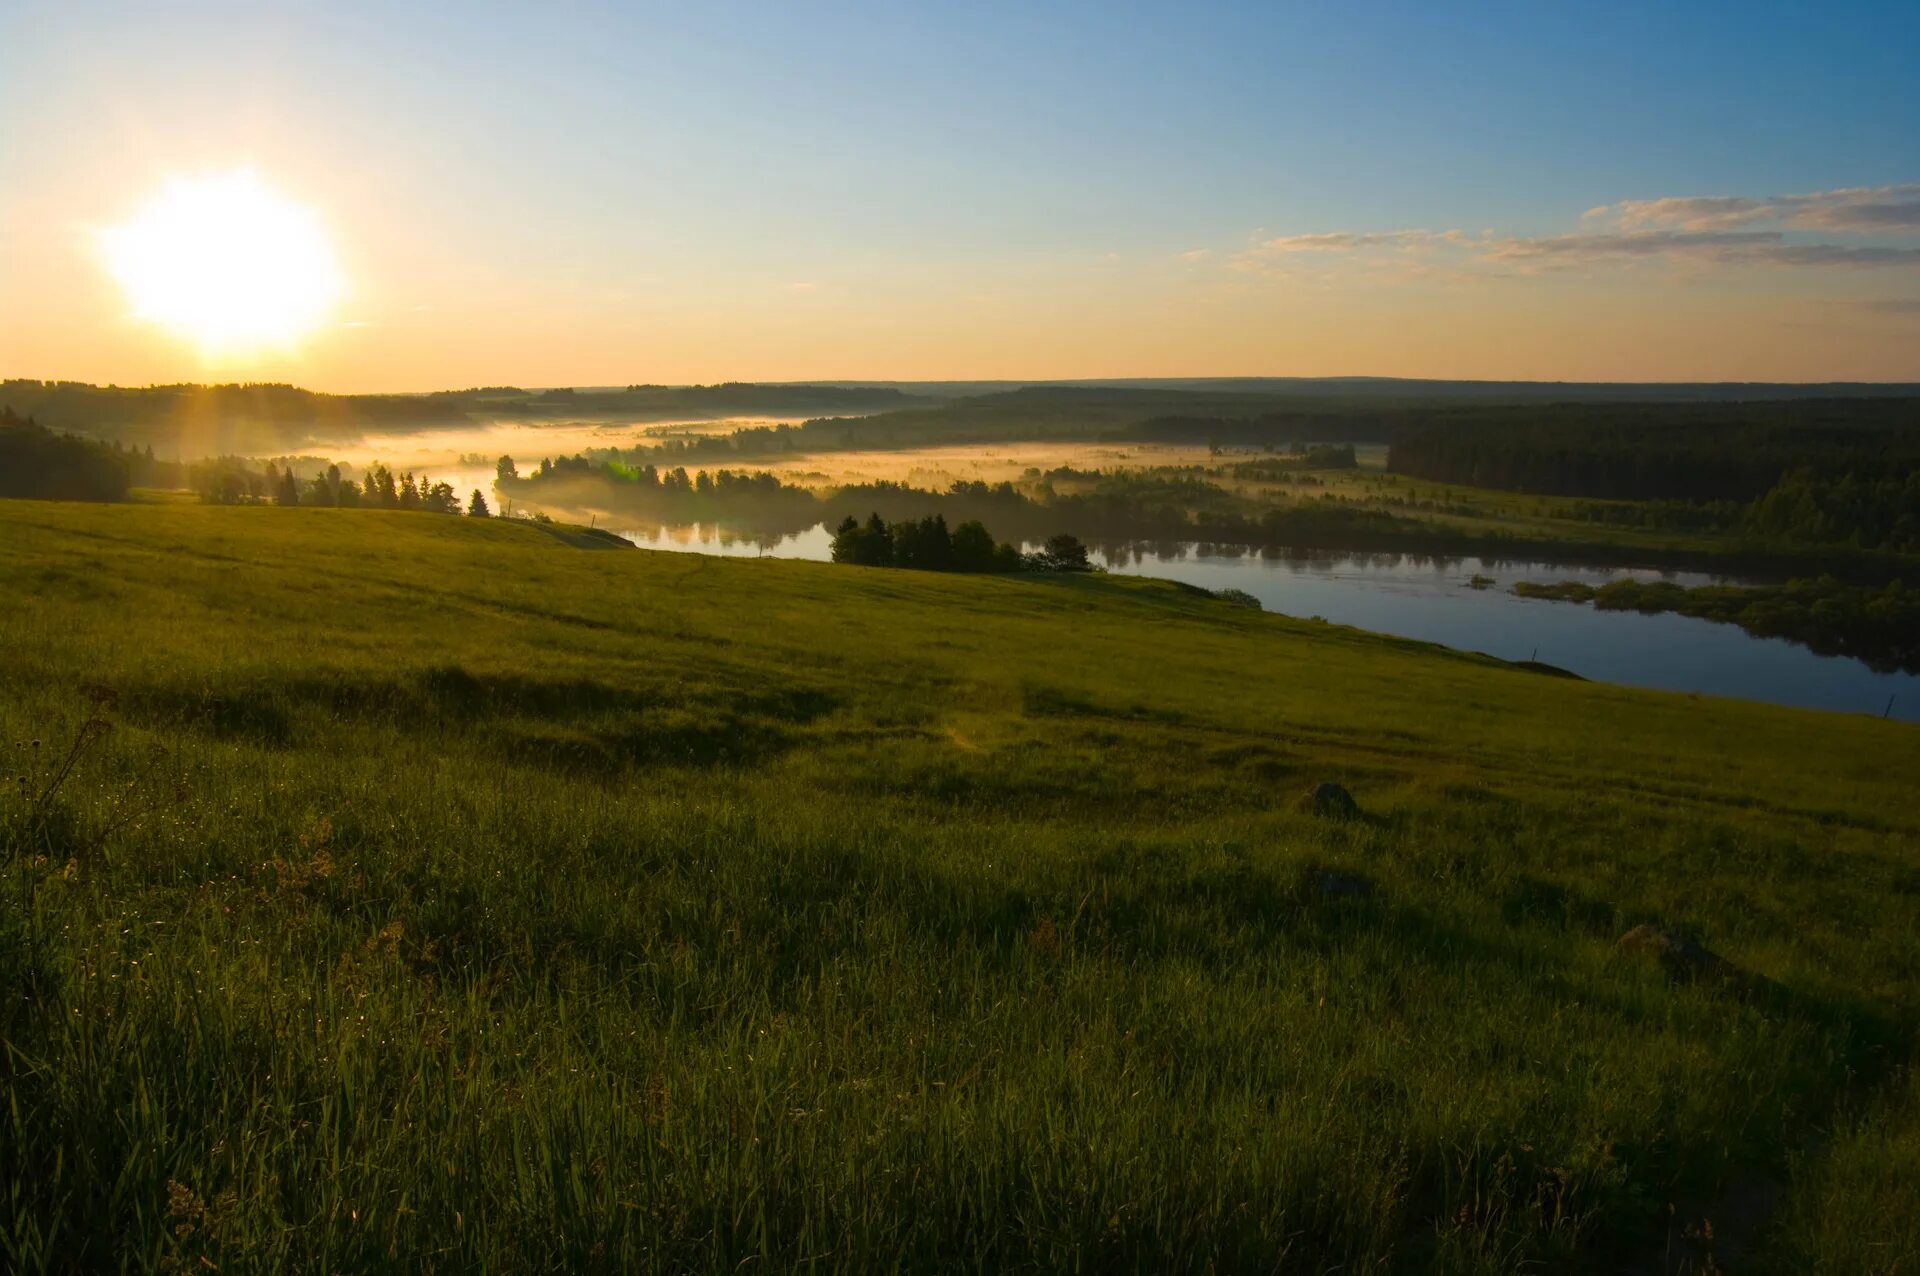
(1730, 231)
(1690, 213)
(1864, 216)
(1349, 241)
(1892, 307)
(1196, 254)
(1637, 244)
(1849, 210)
(1840, 255)
(1721, 247)
(1391, 255)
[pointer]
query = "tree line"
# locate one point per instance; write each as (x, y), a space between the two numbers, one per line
(1688, 452)
(927, 545)
(1880, 627)
(256, 416)
(36, 462)
(1032, 413)
(39, 463)
(1874, 510)
(378, 488)
(1819, 473)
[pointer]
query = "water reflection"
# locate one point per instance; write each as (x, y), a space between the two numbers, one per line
(1438, 599)
(814, 543)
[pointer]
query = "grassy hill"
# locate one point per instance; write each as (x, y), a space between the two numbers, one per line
(434, 894)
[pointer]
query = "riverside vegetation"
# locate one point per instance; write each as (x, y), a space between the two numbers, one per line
(1880, 627)
(381, 892)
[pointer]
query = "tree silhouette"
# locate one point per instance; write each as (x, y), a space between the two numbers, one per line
(438, 498)
(973, 547)
(924, 544)
(380, 489)
(1065, 553)
(879, 541)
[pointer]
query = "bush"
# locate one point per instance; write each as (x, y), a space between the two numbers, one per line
(1062, 553)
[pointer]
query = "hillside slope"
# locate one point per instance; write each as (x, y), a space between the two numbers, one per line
(435, 895)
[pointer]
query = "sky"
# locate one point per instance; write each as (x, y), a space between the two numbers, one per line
(565, 194)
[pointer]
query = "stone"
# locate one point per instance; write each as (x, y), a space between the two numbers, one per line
(1327, 798)
(1679, 956)
(1341, 885)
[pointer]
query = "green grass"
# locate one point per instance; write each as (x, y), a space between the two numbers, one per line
(446, 897)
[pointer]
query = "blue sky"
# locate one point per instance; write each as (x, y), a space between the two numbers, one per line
(770, 178)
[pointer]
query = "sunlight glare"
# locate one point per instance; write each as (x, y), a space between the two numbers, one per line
(227, 262)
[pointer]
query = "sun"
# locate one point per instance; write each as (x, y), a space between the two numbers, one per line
(227, 262)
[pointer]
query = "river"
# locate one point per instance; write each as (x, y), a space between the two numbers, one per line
(1434, 600)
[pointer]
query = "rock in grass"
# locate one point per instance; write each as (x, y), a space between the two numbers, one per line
(1679, 956)
(1327, 798)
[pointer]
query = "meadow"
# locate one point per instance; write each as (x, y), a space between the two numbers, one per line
(389, 892)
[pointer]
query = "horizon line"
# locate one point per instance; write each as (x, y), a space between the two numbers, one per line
(1091, 381)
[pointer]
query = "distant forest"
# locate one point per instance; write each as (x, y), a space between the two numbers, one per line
(211, 419)
(1439, 440)
(38, 463)
(1699, 452)
(207, 420)
(41, 464)
(1066, 414)
(1818, 472)
(1036, 414)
